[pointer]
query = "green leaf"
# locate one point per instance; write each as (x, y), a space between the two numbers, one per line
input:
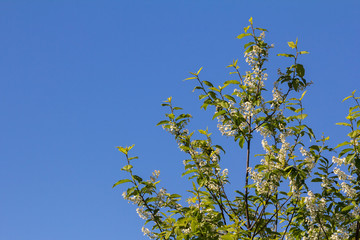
(197, 87)
(354, 134)
(218, 114)
(121, 182)
(246, 29)
(189, 171)
(347, 208)
(168, 234)
(342, 144)
(190, 78)
(249, 49)
(251, 21)
(302, 95)
(316, 180)
(162, 122)
(301, 116)
(199, 71)
(243, 35)
(133, 158)
(202, 131)
(241, 141)
(248, 44)
(123, 150)
(285, 55)
(231, 82)
(303, 52)
(127, 168)
(208, 83)
(300, 70)
(346, 98)
(262, 29)
(344, 124)
(292, 45)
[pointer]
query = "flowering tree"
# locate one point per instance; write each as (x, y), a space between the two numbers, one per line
(278, 200)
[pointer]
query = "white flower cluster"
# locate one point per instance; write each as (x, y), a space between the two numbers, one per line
(315, 208)
(340, 234)
(186, 230)
(161, 197)
(341, 175)
(285, 146)
(247, 109)
(277, 96)
(171, 128)
(325, 182)
(263, 186)
(148, 233)
(309, 159)
(355, 142)
(349, 191)
(252, 56)
(263, 131)
(294, 188)
(226, 128)
(155, 175)
(143, 214)
(225, 172)
(213, 187)
(338, 161)
(133, 199)
(346, 188)
(265, 146)
(215, 155)
(255, 79)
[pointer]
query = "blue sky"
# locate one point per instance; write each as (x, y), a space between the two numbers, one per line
(79, 78)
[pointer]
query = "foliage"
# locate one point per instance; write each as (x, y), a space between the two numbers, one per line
(278, 200)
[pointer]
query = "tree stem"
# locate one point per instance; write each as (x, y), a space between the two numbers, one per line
(247, 183)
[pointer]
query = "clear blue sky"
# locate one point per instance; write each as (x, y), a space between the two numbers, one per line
(78, 78)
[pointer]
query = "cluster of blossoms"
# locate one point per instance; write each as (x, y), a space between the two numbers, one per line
(148, 233)
(338, 161)
(263, 131)
(345, 187)
(340, 234)
(309, 159)
(133, 199)
(161, 197)
(143, 213)
(171, 128)
(314, 206)
(315, 209)
(155, 175)
(325, 182)
(247, 109)
(263, 185)
(277, 96)
(348, 190)
(226, 127)
(215, 155)
(294, 188)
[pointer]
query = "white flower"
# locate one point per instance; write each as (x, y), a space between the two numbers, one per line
(338, 161)
(225, 172)
(342, 176)
(265, 145)
(145, 230)
(350, 192)
(142, 213)
(309, 159)
(186, 230)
